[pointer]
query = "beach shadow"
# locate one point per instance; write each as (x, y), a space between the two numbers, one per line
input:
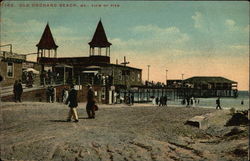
(83, 118)
(58, 120)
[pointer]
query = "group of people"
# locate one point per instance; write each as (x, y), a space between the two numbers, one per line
(28, 79)
(190, 101)
(162, 101)
(18, 90)
(129, 99)
(72, 103)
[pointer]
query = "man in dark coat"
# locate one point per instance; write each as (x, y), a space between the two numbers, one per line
(15, 91)
(218, 104)
(90, 103)
(72, 100)
(19, 90)
(157, 100)
(165, 101)
(161, 101)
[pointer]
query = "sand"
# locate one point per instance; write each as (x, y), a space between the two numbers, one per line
(39, 131)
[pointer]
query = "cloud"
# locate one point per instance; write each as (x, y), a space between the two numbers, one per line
(231, 25)
(152, 38)
(240, 48)
(198, 18)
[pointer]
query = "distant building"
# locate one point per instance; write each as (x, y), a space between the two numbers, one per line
(174, 83)
(11, 67)
(213, 83)
(203, 86)
(14, 66)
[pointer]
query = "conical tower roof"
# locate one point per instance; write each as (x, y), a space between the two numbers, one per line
(47, 40)
(99, 39)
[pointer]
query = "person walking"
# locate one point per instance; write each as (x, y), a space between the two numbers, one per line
(19, 90)
(15, 90)
(72, 101)
(218, 104)
(132, 99)
(90, 103)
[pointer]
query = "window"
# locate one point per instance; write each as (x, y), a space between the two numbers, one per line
(10, 70)
(138, 77)
(120, 75)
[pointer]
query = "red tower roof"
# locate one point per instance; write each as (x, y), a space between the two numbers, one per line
(47, 40)
(99, 39)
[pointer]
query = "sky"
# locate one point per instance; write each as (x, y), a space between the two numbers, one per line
(191, 38)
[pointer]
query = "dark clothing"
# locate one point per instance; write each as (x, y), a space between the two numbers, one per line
(157, 100)
(90, 109)
(165, 100)
(17, 90)
(50, 94)
(188, 101)
(161, 101)
(90, 103)
(132, 99)
(218, 104)
(72, 99)
(91, 95)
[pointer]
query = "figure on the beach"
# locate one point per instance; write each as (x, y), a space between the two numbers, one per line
(132, 99)
(188, 101)
(218, 104)
(29, 80)
(242, 102)
(193, 100)
(161, 101)
(65, 94)
(157, 100)
(90, 102)
(165, 100)
(50, 93)
(17, 90)
(72, 100)
(183, 102)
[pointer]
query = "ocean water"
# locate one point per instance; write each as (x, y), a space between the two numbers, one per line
(225, 102)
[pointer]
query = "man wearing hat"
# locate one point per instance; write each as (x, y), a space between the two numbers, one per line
(72, 100)
(90, 102)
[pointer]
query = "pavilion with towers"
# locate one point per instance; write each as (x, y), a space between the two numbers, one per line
(95, 69)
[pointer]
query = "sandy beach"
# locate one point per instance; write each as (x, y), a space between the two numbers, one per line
(39, 131)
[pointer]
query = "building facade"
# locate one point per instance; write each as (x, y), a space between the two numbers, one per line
(11, 67)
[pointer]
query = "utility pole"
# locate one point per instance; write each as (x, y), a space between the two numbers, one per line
(124, 73)
(148, 72)
(182, 75)
(166, 76)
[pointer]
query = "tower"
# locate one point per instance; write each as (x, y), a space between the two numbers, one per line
(99, 41)
(46, 44)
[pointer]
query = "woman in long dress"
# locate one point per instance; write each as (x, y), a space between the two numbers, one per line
(66, 95)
